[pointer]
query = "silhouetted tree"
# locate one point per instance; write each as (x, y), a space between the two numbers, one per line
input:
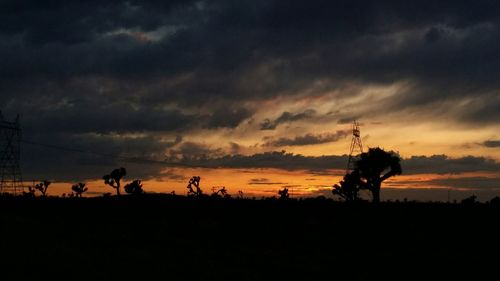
(134, 188)
(114, 179)
(194, 181)
(348, 188)
(42, 187)
(240, 194)
(79, 189)
(283, 194)
(375, 166)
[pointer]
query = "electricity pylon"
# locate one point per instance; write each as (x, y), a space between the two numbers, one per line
(10, 156)
(356, 147)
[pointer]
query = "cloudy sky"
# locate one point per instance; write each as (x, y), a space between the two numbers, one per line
(255, 95)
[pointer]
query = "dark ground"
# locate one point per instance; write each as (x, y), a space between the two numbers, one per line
(167, 238)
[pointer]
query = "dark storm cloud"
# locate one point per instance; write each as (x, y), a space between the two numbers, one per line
(193, 150)
(89, 156)
(224, 118)
(82, 67)
(308, 139)
(469, 182)
(286, 117)
(208, 50)
(275, 159)
(440, 164)
(492, 143)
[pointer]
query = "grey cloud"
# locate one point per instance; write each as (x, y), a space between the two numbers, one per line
(256, 49)
(308, 139)
(234, 148)
(440, 164)
(263, 181)
(227, 118)
(468, 182)
(275, 159)
(286, 117)
(73, 67)
(84, 157)
(492, 143)
(193, 151)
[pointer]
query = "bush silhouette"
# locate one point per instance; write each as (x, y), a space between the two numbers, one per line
(114, 179)
(79, 189)
(240, 194)
(470, 200)
(348, 188)
(495, 201)
(134, 188)
(283, 194)
(222, 192)
(30, 193)
(374, 167)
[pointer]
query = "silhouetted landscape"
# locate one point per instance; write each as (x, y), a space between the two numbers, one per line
(249, 140)
(170, 237)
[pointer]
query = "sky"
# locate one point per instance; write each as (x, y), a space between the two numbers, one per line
(255, 95)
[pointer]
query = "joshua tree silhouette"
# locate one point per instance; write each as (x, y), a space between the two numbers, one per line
(374, 167)
(194, 181)
(283, 194)
(79, 189)
(42, 187)
(114, 178)
(134, 188)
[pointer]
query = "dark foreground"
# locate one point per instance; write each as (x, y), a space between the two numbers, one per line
(167, 238)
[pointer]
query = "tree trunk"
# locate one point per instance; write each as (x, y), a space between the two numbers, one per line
(118, 190)
(376, 192)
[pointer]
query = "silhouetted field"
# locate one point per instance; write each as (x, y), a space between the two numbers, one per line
(160, 237)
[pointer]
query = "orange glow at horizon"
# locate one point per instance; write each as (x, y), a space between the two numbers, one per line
(264, 182)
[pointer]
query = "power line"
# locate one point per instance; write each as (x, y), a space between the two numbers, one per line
(139, 160)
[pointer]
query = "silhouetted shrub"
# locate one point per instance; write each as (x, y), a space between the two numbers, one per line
(495, 201)
(470, 200)
(79, 189)
(283, 194)
(134, 188)
(349, 187)
(221, 192)
(30, 193)
(241, 194)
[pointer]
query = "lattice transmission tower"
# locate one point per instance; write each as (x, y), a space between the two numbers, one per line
(10, 156)
(356, 147)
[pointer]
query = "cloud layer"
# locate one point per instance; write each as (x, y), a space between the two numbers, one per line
(129, 77)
